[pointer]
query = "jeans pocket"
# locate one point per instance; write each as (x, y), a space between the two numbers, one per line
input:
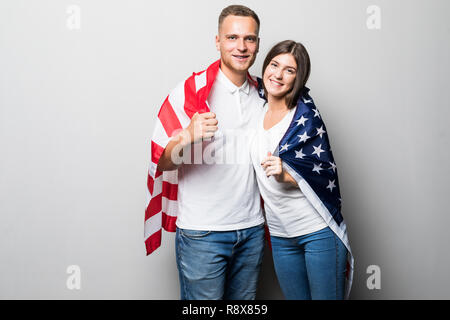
(194, 234)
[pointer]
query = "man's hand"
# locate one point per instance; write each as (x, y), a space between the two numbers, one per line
(202, 126)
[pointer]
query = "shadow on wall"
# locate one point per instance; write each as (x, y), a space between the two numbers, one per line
(268, 287)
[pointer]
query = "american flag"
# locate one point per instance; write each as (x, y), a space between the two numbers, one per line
(176, 112)
(304, 149)
(306, 155)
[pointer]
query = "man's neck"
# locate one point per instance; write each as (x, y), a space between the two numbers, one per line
(238, 79)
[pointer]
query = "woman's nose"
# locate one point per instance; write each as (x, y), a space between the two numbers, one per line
(279, 74)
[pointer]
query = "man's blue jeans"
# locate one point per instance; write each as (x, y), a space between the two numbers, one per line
(214, 265)
(311, 266)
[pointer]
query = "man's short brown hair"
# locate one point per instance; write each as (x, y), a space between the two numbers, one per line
(238, 10)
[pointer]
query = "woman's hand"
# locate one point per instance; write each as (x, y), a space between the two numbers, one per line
(273, 167)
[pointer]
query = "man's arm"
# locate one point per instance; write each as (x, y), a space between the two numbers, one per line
(202, 126)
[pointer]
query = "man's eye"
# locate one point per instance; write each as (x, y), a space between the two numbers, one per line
(232, 37)
(251, 39)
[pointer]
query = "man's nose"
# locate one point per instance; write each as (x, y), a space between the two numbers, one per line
(241, 46)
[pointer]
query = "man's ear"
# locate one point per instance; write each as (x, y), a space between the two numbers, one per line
(217, 43)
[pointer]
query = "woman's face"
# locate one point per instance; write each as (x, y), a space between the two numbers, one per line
(279, 76)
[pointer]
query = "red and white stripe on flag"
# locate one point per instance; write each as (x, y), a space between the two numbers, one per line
(176, 112)
(162, 187)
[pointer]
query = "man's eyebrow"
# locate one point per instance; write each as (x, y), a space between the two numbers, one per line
(244, 35)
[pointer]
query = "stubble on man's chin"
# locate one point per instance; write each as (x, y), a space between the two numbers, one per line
(238, 69)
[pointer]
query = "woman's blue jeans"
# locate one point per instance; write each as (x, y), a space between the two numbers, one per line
(311, 266)
(214, 265)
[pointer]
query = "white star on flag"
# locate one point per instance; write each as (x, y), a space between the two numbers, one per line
(318, 150)
(333, 166)
(303, 137)
(285, 147)
(331, 185)
(307, 101)
(320, 131)
(316, 113)
(301, 121)
(299, 154)
(317, 168)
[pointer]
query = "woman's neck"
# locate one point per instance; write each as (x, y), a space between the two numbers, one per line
(277, 104)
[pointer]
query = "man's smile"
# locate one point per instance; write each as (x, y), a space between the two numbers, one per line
(241, 57)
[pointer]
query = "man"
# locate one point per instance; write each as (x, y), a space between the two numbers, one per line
(219, 222)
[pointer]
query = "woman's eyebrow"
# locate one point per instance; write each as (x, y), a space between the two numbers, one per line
(273, 60)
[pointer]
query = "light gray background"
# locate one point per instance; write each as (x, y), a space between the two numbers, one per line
(77, 109)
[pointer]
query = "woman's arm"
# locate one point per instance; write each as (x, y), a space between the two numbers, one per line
(273, 166)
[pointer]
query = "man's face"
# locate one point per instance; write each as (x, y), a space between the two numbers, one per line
(238, 43)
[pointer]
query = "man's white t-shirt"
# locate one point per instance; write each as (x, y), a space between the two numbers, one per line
(288, 212)
(218, 190)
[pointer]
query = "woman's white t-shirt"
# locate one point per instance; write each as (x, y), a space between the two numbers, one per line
(288, 212)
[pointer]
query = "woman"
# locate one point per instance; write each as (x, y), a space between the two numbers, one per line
(298, 183)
